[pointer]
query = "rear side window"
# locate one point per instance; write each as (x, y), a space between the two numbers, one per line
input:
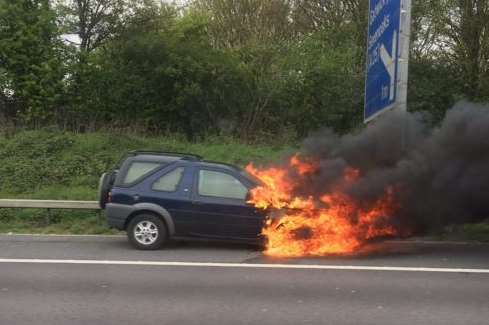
(138, 169)
(169, 182)
(217, 184)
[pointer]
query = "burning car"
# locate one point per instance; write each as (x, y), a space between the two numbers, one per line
(155, 196)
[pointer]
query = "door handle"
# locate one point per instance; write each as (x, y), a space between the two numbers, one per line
(197, 203)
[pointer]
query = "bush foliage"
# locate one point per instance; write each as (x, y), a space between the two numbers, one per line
(249, 69)
(53, 165)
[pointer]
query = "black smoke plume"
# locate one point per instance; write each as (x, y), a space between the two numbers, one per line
(441, 173)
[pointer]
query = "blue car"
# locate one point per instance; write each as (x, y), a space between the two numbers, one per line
(155, 196)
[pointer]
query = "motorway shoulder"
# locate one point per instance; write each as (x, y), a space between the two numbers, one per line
(414, 254)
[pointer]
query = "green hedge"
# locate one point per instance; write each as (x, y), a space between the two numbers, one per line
(53, 165)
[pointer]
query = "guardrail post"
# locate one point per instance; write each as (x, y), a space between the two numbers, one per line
(48, 217)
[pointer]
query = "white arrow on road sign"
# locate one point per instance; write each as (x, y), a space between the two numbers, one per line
(389, 63)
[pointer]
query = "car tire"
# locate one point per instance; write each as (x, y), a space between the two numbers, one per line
(147, 232)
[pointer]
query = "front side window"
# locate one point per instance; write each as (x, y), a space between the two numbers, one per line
(217, 184)
(169, 182)
(138, 169)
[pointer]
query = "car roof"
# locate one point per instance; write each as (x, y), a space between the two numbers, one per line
(181, 155)
(169, 157)
(158, 156)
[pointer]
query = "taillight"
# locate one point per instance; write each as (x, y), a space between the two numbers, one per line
(109, 197)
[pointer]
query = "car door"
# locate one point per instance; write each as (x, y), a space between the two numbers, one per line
(170, 189)
(219, 208)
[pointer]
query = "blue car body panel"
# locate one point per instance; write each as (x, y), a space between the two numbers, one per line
(190, 214)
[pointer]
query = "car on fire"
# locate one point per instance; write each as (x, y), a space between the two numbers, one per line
(157, 196)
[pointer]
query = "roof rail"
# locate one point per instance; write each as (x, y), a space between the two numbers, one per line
(222, 163)
(186, 156)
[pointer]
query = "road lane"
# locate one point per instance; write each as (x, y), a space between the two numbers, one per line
(104, 294)
(179, 291)
(395, 254)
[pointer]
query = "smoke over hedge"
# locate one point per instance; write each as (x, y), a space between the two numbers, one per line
(441, 174)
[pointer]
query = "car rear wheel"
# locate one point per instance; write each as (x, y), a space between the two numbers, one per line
(147, 232)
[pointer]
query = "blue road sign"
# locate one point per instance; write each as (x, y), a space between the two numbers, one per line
(383, 52)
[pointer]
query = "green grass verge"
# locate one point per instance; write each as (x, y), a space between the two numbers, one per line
(479, 232)
(469, 232)
(66, 166)
(36, 221)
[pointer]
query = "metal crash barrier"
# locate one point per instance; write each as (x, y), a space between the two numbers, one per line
(49, 204)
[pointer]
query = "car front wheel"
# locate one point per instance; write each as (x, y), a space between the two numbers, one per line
(147, 232)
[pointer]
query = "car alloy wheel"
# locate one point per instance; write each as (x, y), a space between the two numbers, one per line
(146, 232)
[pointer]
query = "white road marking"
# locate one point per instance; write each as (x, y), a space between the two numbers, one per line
(246, 265)
(436, 242)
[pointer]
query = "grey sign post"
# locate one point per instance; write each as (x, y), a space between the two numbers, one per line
(404, 44)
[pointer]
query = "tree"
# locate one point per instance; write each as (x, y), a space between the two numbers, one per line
(93, 21)
(334, 16)
(328, 88)
(162, 74)
(236, 23)
(258, 33)
(31, 69)
(427, 29)
(467, 31)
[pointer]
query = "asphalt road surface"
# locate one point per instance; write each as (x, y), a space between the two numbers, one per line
(101, 280)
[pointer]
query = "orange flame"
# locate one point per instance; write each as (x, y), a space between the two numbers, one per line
(313, 226)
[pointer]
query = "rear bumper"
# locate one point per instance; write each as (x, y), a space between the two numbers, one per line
(117, 215)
